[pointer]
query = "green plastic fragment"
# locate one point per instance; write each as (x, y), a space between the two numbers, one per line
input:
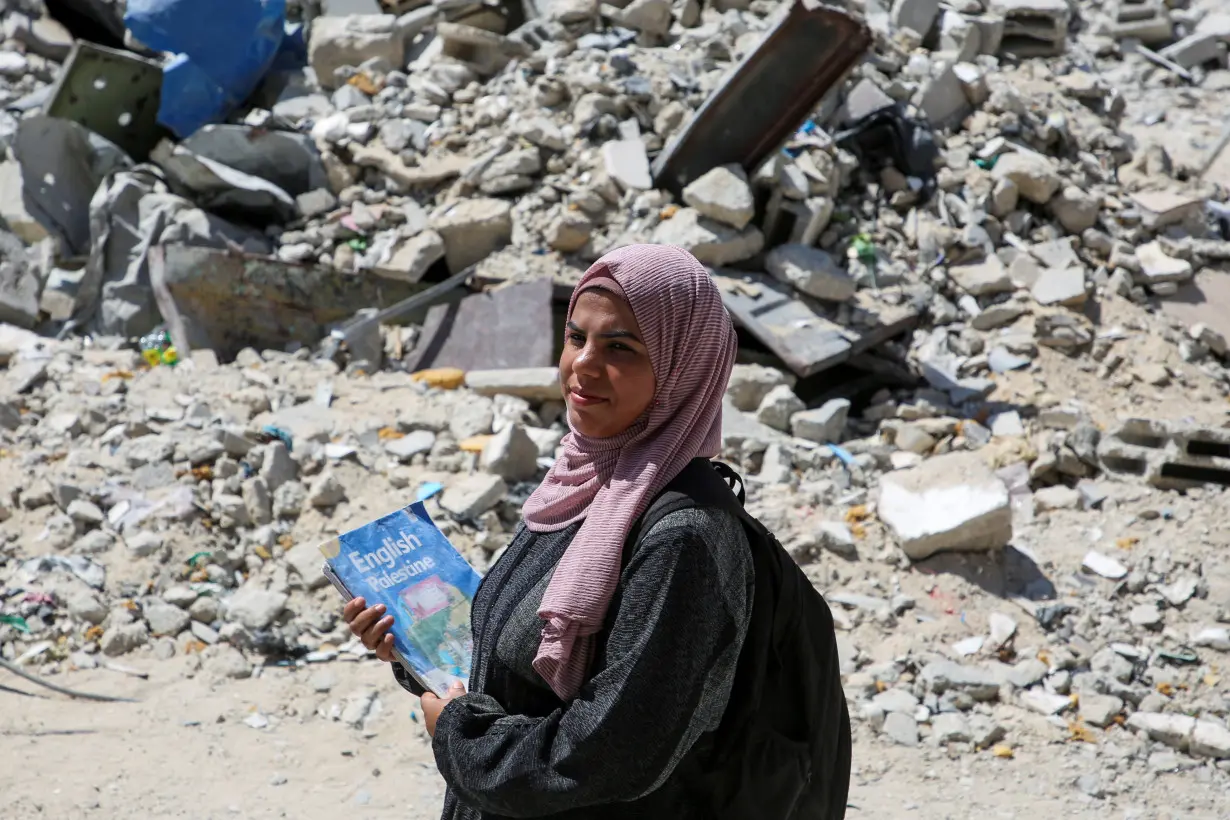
(16, 621)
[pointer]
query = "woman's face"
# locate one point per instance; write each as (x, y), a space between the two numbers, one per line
(605, 370)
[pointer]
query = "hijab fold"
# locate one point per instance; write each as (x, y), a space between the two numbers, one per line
(610, 482)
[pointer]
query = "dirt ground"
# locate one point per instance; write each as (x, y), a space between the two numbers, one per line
(185, 751)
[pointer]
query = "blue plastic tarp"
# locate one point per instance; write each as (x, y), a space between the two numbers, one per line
(223, 49)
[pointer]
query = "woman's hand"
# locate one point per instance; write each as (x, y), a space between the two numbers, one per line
(371, 626)
(433, 706)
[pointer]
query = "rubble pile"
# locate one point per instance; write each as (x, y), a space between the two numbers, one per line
(980, 395)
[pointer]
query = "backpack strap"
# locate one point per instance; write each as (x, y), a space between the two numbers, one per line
(693, 487)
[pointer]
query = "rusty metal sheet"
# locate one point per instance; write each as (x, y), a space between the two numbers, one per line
(113, 93)
(803, 332)
(767, 96)
(508, 326)
(225, 301)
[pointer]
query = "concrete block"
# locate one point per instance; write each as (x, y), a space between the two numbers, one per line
(953, 502)
(1196, 49)
(917, 15)
(532, 383)
(1167, 456)
(943, 99)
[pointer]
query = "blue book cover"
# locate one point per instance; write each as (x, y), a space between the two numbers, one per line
(404, 562)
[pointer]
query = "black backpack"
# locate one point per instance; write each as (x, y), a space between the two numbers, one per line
(783, 748)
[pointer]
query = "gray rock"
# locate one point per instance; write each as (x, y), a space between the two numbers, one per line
(278, 467)
(1075, 209)
(778, 406)
(472, 230)
(950, 727)
(227, 506)
(822, 425)
(896, 700)
(227, 662)
(750, 383)
(627, 163)
(326, 491)
(337, 42)
(901, 729)
(1099, 710)
(86, 512)
(165, 619)
(811, 271)
(472, 495)
(916, 15)
(411, 444)
(710, 241)
(123, 638)
(1060, 286)
(984, 278)
(943, 676)
(288, 500)
(86, 605)
(511, 454)
(258, 501)
(1210, 739)
(1173, 730)
(1027, 673)
(144, 543)
(94, 542)
(1034, 174)
(723, 194)
(569, 232)
(1147, 616)
(254, 607)
(206, 610)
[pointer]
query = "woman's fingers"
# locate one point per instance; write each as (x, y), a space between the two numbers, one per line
(376, 633)
(385, 649)
(354, 607)
(365, 619)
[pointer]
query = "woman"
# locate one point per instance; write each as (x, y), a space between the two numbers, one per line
(601, 673)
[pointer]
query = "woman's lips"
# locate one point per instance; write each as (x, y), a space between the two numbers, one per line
(582, 399)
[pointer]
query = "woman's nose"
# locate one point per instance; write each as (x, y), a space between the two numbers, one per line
(587, 359)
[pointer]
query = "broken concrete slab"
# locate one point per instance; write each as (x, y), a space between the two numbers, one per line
(1034, 174)
(810, 270)
(529, 383)
(288, 160)
(628, 164)
(1157, 266)
(1033, 28)
(13, 206)
(1060, 286)
(62, 165)
(801, 330)
(472, 230)
(710, 241)
(723, 194)
(943, 100)
(950, 502)
(223, 190)
(337, 42)
(505, 327)
(767, 96)
(226, 301)
(916, 15)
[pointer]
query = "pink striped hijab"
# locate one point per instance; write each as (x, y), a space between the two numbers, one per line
(609, 482)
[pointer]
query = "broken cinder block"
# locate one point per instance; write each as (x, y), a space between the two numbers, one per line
(950, 502)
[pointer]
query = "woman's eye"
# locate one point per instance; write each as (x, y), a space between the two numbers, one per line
(576, 338)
